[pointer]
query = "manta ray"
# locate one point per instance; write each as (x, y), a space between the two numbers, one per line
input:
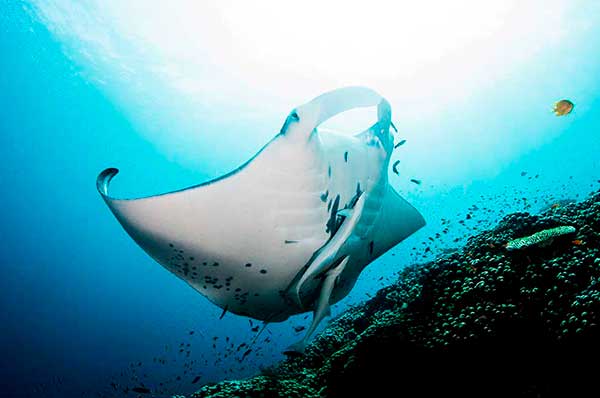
(290, 230)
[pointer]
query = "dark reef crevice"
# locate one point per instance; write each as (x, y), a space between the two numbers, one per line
(480, 322)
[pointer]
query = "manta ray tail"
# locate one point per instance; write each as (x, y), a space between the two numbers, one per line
(262, 329)
(296, 349)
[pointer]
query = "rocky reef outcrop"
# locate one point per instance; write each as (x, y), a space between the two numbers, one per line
(484, 321)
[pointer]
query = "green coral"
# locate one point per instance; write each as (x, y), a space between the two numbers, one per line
(541, 238)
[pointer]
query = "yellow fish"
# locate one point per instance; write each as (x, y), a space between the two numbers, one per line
(563, 107)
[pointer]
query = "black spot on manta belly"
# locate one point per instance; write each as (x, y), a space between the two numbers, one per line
(324, 196)
(290, 241)
(329, 171)
(332, 222)
(346, 156)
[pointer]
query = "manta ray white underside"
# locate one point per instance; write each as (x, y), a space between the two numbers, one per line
(290, 230)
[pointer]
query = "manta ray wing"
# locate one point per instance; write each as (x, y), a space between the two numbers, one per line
(229, 238)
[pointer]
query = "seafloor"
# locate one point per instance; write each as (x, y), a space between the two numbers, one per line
(483, 321)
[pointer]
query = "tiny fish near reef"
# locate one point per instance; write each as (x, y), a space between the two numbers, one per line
(541, 238)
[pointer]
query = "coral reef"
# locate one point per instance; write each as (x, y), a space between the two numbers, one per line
(484, 321)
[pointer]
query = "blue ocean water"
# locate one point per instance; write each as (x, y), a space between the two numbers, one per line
(83, 307)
